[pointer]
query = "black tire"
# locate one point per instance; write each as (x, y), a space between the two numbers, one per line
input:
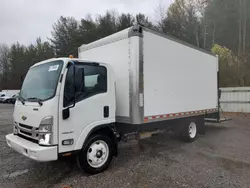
(82, 161)
(185, 131)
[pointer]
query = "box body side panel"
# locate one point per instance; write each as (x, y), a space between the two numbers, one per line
(177, 78)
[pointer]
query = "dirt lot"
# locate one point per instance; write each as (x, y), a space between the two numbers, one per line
(220, 159)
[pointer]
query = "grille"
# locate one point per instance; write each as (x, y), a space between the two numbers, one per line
(28, 138)
(25, 126)
(23, 132)
(28, 132)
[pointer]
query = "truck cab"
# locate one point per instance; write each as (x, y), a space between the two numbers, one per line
(62, 106)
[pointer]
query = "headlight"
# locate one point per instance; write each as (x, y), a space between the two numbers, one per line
(45, 139)
(15, 131)
(45, 136)
(45, 128)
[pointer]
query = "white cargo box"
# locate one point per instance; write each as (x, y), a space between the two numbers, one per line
(157, 77)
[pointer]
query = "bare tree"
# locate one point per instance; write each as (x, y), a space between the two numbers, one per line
(200, 6)
(161, 14)
(243, 17)
(4, 65)
(244, 32)
(240, 28)
(214, 33)
(205, 34)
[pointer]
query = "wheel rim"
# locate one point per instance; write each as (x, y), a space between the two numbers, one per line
(192, 130)
(97, 153)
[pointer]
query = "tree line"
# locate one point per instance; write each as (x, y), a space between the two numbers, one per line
(220, 26)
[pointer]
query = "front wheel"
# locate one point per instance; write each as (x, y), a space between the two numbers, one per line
(97, 154)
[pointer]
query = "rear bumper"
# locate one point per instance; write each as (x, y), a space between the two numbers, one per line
(32, 150)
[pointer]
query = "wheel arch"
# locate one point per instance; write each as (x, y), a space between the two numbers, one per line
(104, 128)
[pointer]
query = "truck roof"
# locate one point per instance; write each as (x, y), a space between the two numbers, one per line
(51, 59)
(64, 59)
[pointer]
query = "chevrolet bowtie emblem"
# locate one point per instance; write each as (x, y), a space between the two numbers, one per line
(24, 118)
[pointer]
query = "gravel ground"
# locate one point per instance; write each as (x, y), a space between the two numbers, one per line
(220, 159)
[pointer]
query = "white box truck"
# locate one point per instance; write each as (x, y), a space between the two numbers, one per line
(133, 81)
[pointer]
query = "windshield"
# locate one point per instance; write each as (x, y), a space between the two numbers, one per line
(41, 81)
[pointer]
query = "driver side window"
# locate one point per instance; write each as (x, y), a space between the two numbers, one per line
(89, 80)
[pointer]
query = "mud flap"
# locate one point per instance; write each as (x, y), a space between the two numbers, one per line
(201, 125)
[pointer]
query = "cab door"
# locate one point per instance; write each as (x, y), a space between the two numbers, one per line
(89, 100)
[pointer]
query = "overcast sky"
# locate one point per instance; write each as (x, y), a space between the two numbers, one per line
(25, 20)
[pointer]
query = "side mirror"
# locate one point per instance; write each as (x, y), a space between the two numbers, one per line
(65, 113)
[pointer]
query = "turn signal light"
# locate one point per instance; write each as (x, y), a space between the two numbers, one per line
(67, 154)
(68, 142)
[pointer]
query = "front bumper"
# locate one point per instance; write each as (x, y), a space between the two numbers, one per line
(32, 150)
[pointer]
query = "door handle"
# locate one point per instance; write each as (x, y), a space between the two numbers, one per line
(106, 111)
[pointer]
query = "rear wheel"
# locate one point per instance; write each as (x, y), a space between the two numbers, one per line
(189, 131)
(97, 154)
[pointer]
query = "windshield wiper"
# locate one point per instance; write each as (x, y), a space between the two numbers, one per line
(37, 99)
(21, 99)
